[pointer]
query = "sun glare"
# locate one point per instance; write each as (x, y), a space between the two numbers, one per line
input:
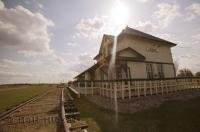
(119, 13)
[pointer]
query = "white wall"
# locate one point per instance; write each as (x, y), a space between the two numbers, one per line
(168, 70)
(142, 46)
(138, 69)
(128, 53)
(97, 74)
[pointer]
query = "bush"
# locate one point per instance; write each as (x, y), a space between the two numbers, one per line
(185, 73)
(197, 74)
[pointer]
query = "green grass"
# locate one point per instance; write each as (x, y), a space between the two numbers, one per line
(173, 116)
(14, 95)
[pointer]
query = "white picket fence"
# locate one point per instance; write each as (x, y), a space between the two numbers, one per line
(135, 87)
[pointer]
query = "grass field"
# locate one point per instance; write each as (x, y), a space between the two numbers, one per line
(13, 95)
(173, 116)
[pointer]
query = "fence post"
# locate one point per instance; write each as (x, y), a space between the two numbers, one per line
(185, 84)
(106, 89)
(150, 84)
(129, 89)
(92, 86)
(190, 83)
(99, 85)
(85, 88)
(175, 85)
(145, 88)
(111, 88)
(103, 88)
(138, 88)
(167, 88)
(122, 89)
(162, 85)
(115, 90)
(156, 86)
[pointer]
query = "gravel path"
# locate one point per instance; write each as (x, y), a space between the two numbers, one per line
(41, 115)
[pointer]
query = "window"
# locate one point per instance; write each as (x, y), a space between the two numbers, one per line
(149, 69)
(160, 70)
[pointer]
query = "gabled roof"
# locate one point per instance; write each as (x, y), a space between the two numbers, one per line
(96, 56)
(139, 56)
(105, 36)
(127, 31)
(131, 31)
(134, 32)
(91, 68)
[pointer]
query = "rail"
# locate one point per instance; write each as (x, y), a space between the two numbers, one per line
(74, 91)
(65, 124)
(5, 114)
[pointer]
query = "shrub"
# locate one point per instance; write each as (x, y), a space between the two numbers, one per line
(185, 73)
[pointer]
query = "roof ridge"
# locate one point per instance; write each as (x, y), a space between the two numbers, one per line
(137, 32)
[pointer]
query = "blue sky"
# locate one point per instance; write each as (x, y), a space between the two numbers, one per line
(52, 41)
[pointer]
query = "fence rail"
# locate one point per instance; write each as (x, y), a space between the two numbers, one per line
(65, 124)
(128, 88)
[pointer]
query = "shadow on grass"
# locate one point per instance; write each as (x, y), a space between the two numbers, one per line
(172, 116)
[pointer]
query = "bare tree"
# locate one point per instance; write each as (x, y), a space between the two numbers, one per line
(197, 74)
(185, 73)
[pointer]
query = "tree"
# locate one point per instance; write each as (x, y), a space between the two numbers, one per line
(185, 73)
(197, 74)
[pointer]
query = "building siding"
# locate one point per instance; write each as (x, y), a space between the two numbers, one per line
(137, 69)
(169, 71)
(139, 54)
(142, 46)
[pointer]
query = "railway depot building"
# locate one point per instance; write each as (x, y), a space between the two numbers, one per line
(138, 56)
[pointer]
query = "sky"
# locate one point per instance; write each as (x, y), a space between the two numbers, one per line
(51, 41)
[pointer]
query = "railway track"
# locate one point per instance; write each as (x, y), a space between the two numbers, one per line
(71, 115)
(39, 114)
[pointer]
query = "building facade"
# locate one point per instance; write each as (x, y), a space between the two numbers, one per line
(137, 56)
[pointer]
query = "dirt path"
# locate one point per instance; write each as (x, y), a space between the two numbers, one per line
(41, 115)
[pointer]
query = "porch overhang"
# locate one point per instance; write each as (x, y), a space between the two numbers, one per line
(92, 68)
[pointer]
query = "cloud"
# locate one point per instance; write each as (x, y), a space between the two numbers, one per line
(197, 36)
(59, 59)
(1, 5)
(13, 71)
(14, 74)
(167, 13)
(24, 30)
(51, 57)
(27, 2)
(196, 40)
(146, 26)
(40, 5)
(91, 27)
(72, 44)
(190, 61)
(193, 11)
(95, 27)
(143, 1)
(13, 65)
(13, 77)
(90, 24)
(8, 63)
(83, 62)
(171, 37)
